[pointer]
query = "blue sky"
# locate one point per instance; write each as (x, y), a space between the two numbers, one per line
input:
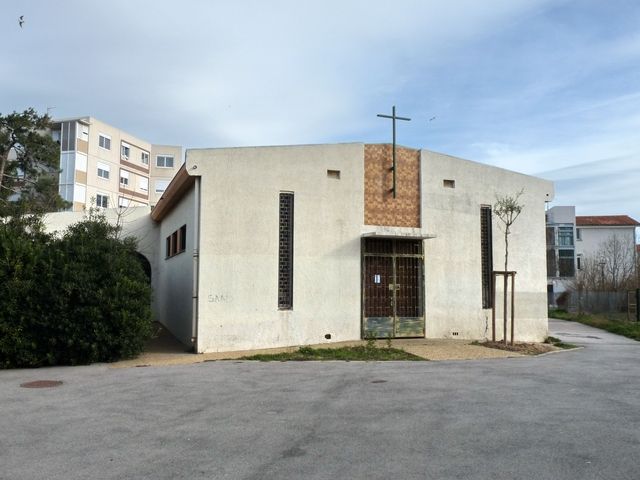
(540, 87)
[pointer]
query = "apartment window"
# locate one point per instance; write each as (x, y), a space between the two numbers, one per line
(68, 136)
(551, 236)
(176, 242)
(486, 256)
(124, 178)
(579, 262)
(103, 171)
(102, 201)
(285, 253)
(125, 151)
(565, 236)
(566, 263)
(143, 183)
(161, 185)
(123, 202)
(578, 234)
(104, 141)
(144, 157)
(164, 161)
(552, 264)
(83, 133)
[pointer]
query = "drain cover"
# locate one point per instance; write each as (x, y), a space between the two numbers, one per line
(378, 381)
(41, 384)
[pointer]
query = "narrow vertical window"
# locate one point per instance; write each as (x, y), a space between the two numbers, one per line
(486, 256)
(285, 253)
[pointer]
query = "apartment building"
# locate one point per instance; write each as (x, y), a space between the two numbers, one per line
(572, 239)
(107, 167)
(561, 247)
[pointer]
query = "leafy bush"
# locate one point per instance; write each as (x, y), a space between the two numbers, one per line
(77, 299)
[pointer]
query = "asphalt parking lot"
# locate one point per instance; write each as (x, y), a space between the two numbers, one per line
(568, 415)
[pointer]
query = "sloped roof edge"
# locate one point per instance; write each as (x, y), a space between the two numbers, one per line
(180, 184)
(606, 221)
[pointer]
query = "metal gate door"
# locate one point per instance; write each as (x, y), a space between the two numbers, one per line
(392, 288)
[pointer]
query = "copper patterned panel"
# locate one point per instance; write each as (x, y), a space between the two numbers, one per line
(380, 207)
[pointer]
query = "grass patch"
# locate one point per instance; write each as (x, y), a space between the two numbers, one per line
(556, 342)
(364, 352)
(611, 322)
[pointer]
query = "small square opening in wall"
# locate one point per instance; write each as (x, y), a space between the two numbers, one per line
(449, 183)
(333, 174)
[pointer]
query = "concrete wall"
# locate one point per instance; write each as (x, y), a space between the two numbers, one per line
(173, 289)
(452, 259)
(135, 222)
(562, 214)
(238, 297)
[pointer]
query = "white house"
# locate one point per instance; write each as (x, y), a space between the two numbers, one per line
(571, 240)
(595, 230)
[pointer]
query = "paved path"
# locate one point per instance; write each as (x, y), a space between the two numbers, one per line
(570, 415)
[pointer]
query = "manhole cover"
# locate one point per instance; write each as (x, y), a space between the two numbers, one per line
(378, 381)
(41, 384)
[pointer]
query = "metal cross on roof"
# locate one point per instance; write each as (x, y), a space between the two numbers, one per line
(393, 118)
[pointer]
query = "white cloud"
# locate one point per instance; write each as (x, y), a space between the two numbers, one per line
(528, 85)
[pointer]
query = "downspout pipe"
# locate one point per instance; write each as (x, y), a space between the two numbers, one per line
(196, 266)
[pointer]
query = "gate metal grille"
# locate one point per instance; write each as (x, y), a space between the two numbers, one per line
(393, 288)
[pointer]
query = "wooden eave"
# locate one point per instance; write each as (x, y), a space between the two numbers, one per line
(180, 184)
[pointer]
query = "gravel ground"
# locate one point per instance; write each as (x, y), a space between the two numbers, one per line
(167, 351)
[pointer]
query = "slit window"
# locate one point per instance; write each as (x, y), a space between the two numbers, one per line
(486, 256)
(285, 252)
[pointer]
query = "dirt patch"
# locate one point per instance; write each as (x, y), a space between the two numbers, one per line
(523, 348)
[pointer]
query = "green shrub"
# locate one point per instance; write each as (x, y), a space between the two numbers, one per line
(77, 299)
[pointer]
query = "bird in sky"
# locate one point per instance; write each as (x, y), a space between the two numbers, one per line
(432, 119)
(21, 21)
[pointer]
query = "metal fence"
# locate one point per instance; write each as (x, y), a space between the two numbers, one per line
(590, 302)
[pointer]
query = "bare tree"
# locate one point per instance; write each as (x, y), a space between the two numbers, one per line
(612, 268)
(507, 209)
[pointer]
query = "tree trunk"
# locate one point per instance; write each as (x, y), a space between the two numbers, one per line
(3, 166)
(506, 285)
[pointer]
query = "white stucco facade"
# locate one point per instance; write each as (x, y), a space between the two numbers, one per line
(238, 253)
(592, 238)
(236, 268)
(452, 259)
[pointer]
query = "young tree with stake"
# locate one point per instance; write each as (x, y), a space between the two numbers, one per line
(507, 209)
